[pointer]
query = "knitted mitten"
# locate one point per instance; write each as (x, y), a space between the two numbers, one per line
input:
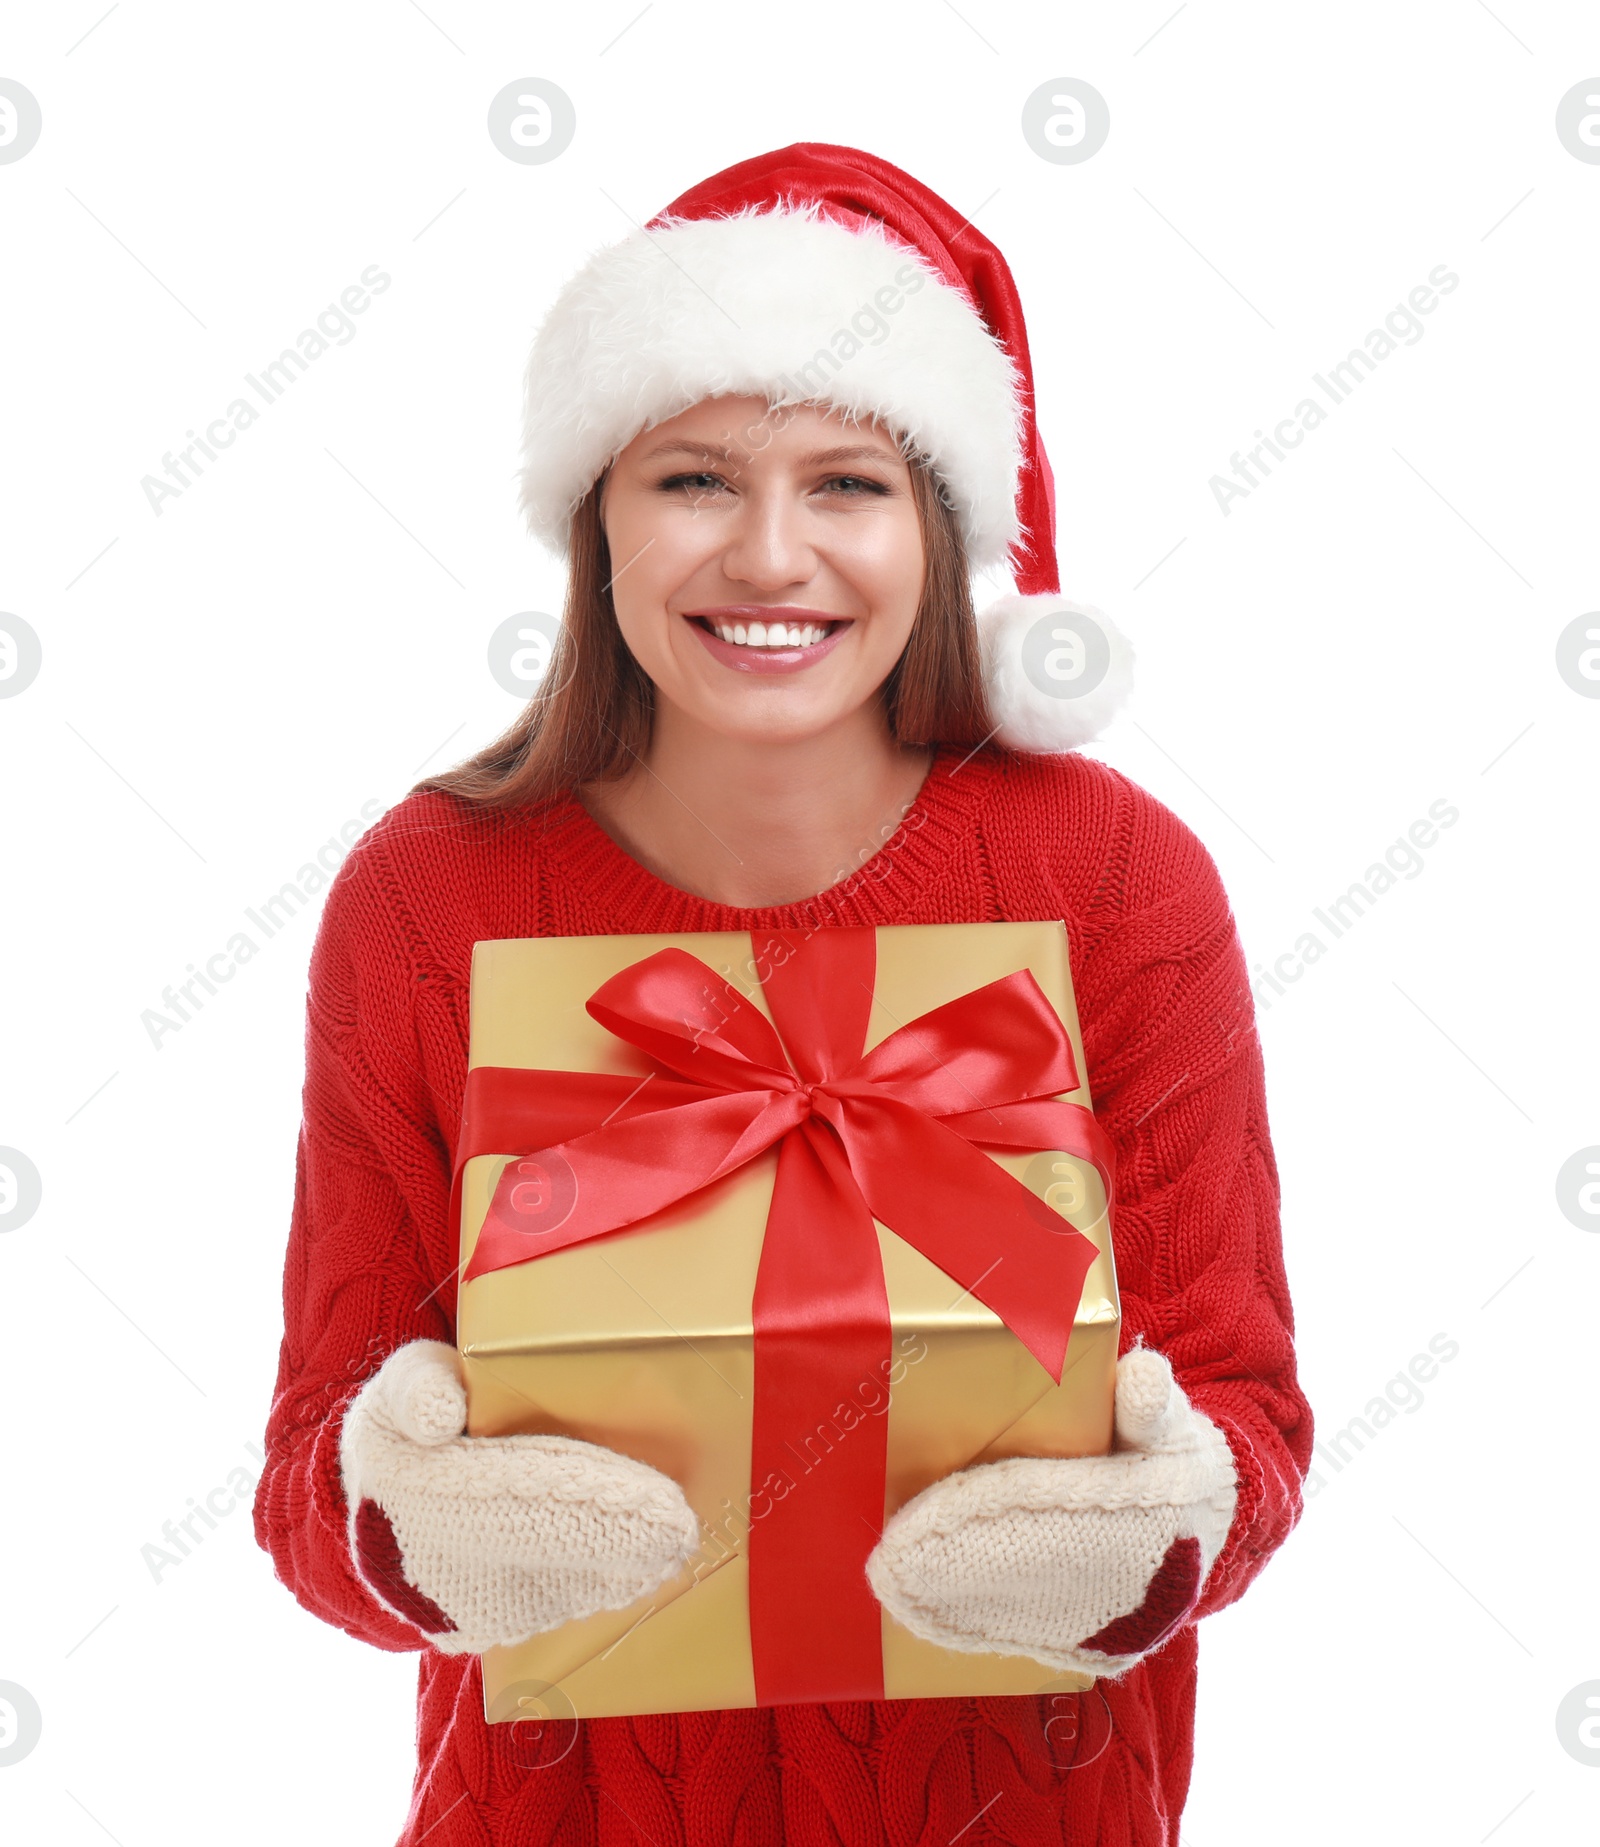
(481, 1541)
(1086, 1563)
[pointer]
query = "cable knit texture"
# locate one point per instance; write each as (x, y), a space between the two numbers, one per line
(487, 1540)
(1175, 1068)
(1085, 1562)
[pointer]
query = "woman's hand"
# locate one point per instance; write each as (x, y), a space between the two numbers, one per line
(1087, 1563)
(481, 1541)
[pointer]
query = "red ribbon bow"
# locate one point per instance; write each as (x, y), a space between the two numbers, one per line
(890, 1135)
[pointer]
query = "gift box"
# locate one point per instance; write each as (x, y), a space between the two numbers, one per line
(805, 1220)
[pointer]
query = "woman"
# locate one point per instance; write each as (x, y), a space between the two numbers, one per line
(773, 432)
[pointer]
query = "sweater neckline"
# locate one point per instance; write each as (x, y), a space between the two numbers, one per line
(883, 889)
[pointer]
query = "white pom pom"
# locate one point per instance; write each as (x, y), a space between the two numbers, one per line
(1056, 671)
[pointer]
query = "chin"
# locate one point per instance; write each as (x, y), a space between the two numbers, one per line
(753, 729)
(758, 721)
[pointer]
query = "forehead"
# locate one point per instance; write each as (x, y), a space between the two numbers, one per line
(749, 428)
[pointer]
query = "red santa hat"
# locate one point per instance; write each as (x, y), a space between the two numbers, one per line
(824, 275)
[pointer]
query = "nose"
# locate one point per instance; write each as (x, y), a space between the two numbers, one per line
(768, 548)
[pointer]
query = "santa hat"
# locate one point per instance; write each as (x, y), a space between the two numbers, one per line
(823, 275)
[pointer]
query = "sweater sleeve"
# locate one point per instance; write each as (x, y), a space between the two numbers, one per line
(367, 1252)
(1180, 1088)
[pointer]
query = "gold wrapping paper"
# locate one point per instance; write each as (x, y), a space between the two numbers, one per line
(642, 1340)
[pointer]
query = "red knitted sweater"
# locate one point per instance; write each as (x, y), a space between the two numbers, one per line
(1175, 1071)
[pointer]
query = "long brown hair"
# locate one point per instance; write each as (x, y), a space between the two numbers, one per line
(590, 719)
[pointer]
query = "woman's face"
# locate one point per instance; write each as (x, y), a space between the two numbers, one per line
(733, 517)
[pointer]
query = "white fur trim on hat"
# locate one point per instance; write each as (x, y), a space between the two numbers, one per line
(1056, 671)
(787, 304)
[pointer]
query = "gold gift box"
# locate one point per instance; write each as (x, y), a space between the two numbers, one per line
(642, 1340)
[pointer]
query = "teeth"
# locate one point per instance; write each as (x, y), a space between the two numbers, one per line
(771, 634)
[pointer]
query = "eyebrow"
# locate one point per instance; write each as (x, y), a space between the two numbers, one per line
(815, 458)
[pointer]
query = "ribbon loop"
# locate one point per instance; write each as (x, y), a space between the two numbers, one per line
(687, 1017)
(1001, 1043)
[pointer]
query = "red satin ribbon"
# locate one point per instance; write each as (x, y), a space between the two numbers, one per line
(892, 1135)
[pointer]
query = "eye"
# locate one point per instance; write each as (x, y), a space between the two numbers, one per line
(699, 483)
(856, 484)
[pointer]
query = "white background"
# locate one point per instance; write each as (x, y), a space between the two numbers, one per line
(303, 631)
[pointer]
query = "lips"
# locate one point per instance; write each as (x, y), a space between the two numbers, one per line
(767, 638)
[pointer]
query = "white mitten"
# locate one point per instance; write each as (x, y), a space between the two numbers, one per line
(1086, 1563)
(481, 1541)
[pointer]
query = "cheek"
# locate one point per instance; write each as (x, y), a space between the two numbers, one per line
(886, 568)
(654, 553)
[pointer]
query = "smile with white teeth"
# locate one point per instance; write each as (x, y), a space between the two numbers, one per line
(770, 634)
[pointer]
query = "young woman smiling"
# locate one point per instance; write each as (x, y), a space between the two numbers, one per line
(774, 706)
(769, 763)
